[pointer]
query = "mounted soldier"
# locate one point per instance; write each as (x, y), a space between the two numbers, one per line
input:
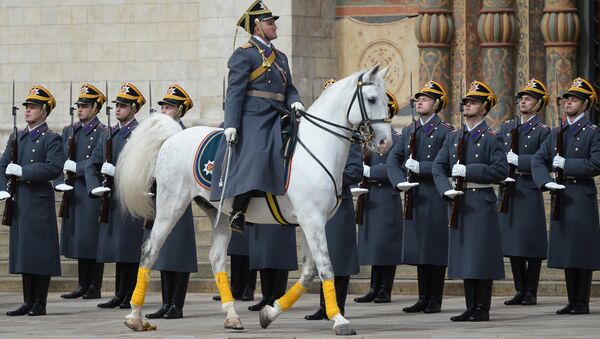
(259, 80)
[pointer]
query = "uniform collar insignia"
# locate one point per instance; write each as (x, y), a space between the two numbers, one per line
(526, 127)
(38, 131)
(91, 125)
(479, 131)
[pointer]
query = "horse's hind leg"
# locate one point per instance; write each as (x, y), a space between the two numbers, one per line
(218, 257)
(169, 209)
(268, 314)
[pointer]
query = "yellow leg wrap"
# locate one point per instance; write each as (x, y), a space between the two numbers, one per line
(291, 296)
(139, 294)
(331, 306)
(223, 286)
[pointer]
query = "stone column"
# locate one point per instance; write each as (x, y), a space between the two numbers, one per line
(434, 30)
(560, 29)
(497, 29)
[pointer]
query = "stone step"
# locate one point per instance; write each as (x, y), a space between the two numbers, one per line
(69, 270)
(357, 286)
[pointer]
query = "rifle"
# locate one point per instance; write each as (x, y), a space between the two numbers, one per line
(107, 181)
(506, 188)
(151, 110)
(412, 148)
(11, 186)
(460, 159)
(364, 183)
(558, 172)
(63, 211)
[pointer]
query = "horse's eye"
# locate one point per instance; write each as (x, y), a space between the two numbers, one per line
(372, 101)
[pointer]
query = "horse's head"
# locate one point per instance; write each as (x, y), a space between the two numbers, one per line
(368, 109)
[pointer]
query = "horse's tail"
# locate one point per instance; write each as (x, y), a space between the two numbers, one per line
(136, 163)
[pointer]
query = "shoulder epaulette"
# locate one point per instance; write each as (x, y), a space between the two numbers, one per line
(544, 126)
(447, 125)
(593, 126)
(491, 131)
(246, 45)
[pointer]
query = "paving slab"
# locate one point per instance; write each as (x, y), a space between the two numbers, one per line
(203, 319)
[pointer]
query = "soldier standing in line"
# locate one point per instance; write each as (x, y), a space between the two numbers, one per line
(341, 235)
(33, 247)
(259, 78)
(273, 252)
(120, 240)
(474, 247)
(380, 235)
(79, 231)
(177, 257)
(575, 233)
(523, 228)
(425, 242)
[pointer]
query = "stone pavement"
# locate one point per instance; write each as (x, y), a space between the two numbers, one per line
(203, 319)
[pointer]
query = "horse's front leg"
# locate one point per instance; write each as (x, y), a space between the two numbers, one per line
(218, 257)
(268, 314)
(317, 242)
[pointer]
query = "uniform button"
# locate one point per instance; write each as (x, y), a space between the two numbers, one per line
(431, 136)
(529, 137)
(269, 81)
(378, 185)
(429, 146)
(268, 70)
(429, 156)
(87, 156)
(380, 154)
(455, 145)
(29, 182)
(37, 141)
(576, 149)
(577, 138)
(583, 129)
(474, 190)
(89, 146)
(507, 134)
(533, 128)
(454, 155)
(506, 143)
(43, 133)
(33, 150)
(478, 144)
(574, 181)
(525, 146)
(31, 160)
(476, 155)
(483, 135)
(91, 138)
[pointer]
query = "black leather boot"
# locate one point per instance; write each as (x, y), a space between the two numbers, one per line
(237, 219)
(386, 285)
(571, 282)
(28, 282)
(420, 305)
(517, 265)
(280, 279)
(483, 300)
(374, 289)
(437, 277)
(96, 274)
(341, 291)
(469, 286)
(584, 285)
(82, 276)
(178, 293)
(534, 265)
(42, 283)
(266, 289)
(320, 313)
(132, 269)
(120, 275)
(166, 282)
(249, 281)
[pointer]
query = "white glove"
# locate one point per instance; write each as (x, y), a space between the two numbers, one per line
(99, 191)
(366, 171)
(412, 165)
(453, 193)
(357, 191)
(405, 186)
(108, 169)
(70, 166)
(230, 135)
(14, 169)
(512, 158)
(4, 195)
(63, 187)
(297, 106)
(459, 170)
(558, 161)
(554, 186)
(507, 180)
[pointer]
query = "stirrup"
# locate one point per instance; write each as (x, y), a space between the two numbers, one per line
(235, 224)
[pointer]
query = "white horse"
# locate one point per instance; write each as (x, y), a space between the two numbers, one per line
(159, 151)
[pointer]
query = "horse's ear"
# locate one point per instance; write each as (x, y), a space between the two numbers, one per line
(384, 71)
(373, 72)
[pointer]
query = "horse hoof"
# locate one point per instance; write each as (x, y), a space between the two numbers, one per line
(233, 324)
(139, 326)
(344, 329)
(263, 317)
